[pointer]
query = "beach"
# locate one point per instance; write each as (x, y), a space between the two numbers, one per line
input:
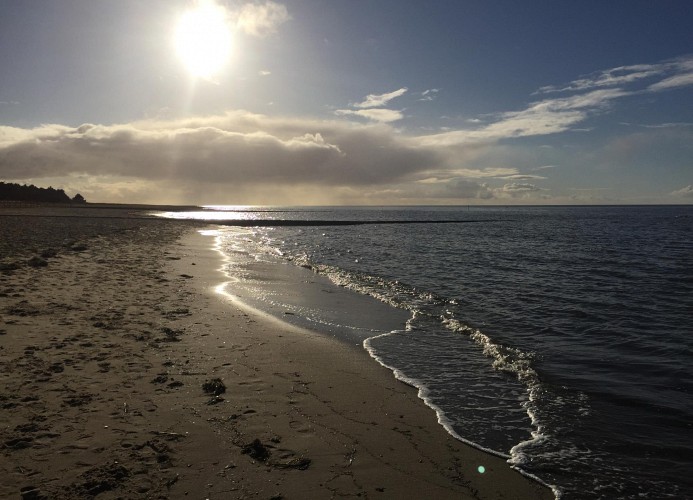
(124, 375)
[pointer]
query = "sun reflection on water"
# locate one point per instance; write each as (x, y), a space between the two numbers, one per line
(213, 215)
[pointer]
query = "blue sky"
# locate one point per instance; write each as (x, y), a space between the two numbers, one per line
(353, 102)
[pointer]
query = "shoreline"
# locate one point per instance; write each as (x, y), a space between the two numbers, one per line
(359, 358)
(367, 318)
(105, 352)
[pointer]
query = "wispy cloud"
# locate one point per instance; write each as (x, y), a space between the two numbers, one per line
(544, 117)
(523, 177)
(376, 114)
(659, 125)
(429, 94)
(673, 82)
(555, 114)
(608, 78)
(261, 19)
(378, 100)
(372, 108)
(264, 72)
(673, 73)
(471, 173)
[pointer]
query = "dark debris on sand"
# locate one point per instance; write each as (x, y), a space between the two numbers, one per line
(256, 450)
(214, 386)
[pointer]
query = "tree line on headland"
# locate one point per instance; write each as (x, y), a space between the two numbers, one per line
(16, 192)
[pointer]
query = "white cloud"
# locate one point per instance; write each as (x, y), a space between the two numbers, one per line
(264, 72)
(377, 100)
(682, 70)
(375, 114)
(429, 94)
(672, 82)
(668, 125)
(545, 117)
(673, 73)
(609, 78)
(261, 19)
(686, 192)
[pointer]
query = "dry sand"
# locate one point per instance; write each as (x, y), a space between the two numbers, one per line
(103, 356)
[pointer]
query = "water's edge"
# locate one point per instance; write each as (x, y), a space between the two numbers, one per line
(360, 336)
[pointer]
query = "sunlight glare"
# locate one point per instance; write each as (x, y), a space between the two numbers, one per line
(203, 39)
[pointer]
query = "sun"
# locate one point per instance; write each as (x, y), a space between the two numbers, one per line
(203, 39)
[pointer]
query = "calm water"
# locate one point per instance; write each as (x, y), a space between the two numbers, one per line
(558, 337)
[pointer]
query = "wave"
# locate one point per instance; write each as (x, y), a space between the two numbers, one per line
(502, 358)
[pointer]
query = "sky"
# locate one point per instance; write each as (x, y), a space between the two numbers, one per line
(349, 102)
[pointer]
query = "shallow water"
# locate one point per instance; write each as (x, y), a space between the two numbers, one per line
(557, 336)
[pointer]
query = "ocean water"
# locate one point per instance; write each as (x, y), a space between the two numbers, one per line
(558, 337)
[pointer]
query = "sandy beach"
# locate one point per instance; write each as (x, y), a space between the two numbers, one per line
(124, 375)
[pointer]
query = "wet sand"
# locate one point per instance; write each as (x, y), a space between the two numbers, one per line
(123, 375)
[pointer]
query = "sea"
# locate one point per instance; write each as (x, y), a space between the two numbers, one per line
(560, 338)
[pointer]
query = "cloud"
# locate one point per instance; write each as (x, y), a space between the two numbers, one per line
(244, 157)
(470, 173)
(429, 94)
(668, 125)
(672, 73)
(375, 114)
(462, 189)
(261, 19)
(686, 192)
(452, 190)
(549, 116)
(608, 78)
(241, 157)
(523, 177)
(672, 82)
(371, 108)
(516, 190)
(236, 148)
(264, 72)
(683, 76)
(377, 100)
